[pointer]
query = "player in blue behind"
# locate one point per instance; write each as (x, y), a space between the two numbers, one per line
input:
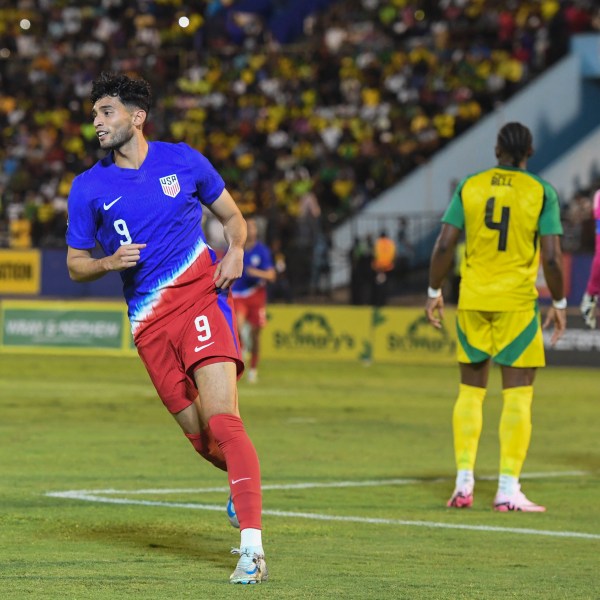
(143, 204)
(250, 293)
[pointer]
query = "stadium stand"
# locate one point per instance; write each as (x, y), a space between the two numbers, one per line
(309, 109)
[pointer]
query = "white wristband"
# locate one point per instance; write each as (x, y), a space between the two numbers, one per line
(560, 304)
(432, 293)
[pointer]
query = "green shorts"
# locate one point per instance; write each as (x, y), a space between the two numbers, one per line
(513, 339)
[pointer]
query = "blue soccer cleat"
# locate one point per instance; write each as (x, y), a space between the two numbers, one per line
(231, 514)
(251, 567)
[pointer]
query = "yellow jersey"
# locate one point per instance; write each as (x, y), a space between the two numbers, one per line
(503, 211)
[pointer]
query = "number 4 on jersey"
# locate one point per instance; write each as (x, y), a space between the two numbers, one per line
(500, 226)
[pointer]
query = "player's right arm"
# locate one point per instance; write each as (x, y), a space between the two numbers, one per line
(84, 267)
(81, 238)
(442, 259)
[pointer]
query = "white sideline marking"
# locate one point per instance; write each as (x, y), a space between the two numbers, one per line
(282, 486)
(101, 496)
(312, 485)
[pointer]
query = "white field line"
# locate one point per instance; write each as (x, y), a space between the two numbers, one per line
(314, 485)
(101, 496)
(282, 486)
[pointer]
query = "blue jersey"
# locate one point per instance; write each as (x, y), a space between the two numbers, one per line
(158, 204)
(259, 257)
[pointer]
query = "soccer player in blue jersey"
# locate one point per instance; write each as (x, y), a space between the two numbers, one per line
(143, 204)
(250, 292)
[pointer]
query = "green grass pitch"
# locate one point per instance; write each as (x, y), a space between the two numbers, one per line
(364, 453)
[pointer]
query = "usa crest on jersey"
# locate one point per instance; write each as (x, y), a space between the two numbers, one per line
(170, 185)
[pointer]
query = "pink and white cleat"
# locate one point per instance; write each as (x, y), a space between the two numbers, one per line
(516, 502)
(461, 499)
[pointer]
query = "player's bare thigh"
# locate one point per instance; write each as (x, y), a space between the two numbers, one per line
(475, 374)
(517, 377)
(217, 388)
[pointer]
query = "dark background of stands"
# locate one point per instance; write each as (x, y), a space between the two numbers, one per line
(309, 108)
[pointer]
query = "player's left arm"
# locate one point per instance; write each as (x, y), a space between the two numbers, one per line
(552, 266)
(266, 269)
(234, 229)
(550, 229)
(266, 274)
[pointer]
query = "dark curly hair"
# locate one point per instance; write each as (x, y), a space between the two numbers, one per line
(131, 92)
(514, 143)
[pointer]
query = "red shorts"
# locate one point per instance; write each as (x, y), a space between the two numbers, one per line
(253, 307)
(203, 333)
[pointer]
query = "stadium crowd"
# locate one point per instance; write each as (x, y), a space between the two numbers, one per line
(309, 109)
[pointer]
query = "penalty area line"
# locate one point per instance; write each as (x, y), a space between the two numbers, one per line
(339, 518)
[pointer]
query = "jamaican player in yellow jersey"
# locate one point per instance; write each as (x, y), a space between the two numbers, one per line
(508, 216)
